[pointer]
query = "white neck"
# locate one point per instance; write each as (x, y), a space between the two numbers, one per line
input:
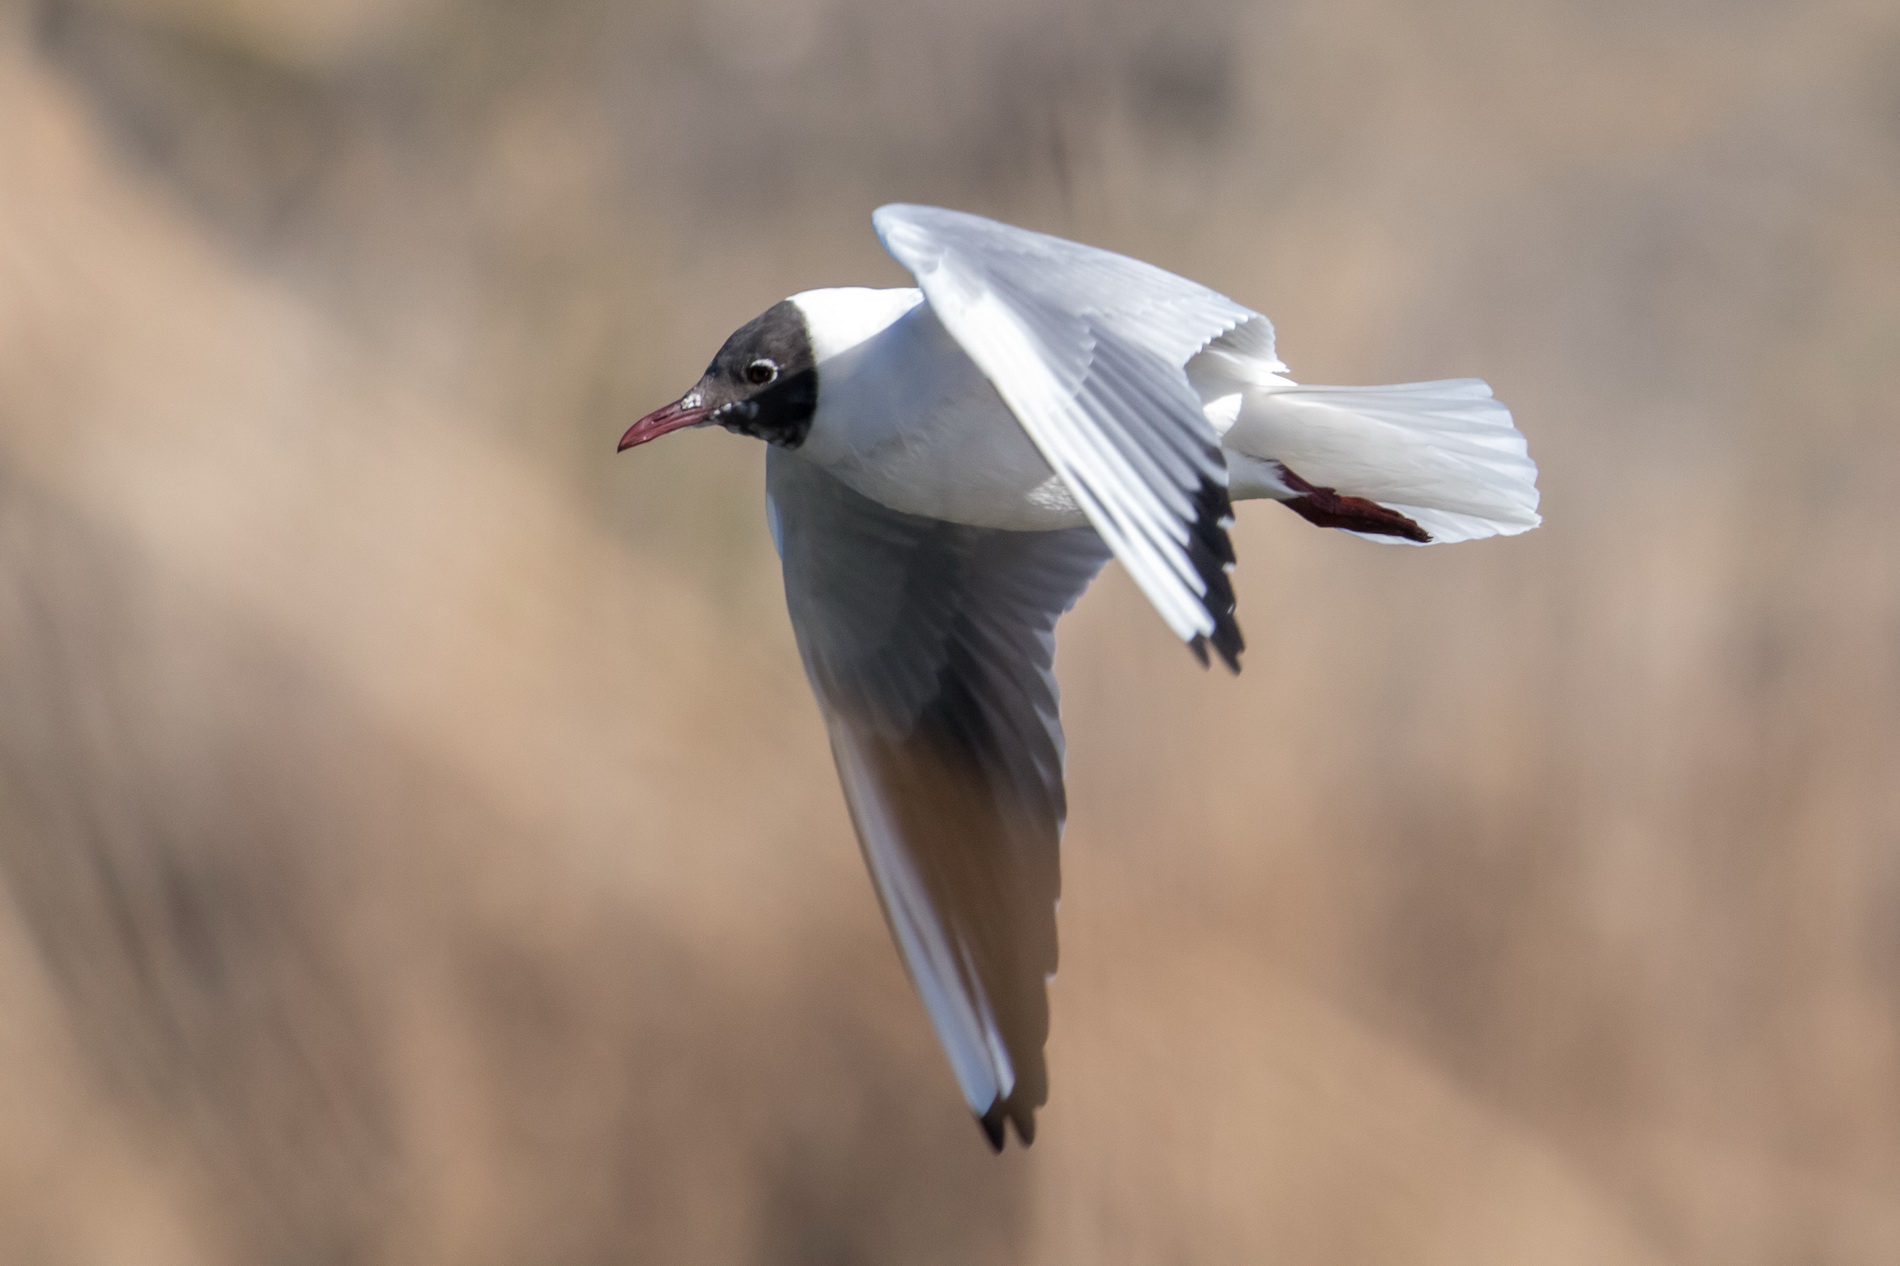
(839, 319)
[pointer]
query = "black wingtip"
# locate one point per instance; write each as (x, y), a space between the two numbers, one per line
(992, 1125)
(995, 1123)
(1212, 553)
(1228, 649)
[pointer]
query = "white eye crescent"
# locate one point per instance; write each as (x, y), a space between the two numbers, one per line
(761, 372)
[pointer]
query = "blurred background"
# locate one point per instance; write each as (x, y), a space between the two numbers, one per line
(418, 845)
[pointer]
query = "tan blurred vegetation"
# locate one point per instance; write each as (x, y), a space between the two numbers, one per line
(417, 842)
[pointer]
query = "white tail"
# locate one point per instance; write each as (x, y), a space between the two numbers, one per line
(1442, 454)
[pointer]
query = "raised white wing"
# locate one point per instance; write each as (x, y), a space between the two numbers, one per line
(929, 646)
(1087, 348)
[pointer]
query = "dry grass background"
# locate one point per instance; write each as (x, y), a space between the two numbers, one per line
(417, 843)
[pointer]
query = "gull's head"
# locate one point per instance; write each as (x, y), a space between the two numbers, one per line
(764, 381)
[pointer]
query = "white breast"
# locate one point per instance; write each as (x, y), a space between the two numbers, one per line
(906, 418)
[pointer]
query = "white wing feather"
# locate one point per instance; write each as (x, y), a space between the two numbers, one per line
(1087, 348)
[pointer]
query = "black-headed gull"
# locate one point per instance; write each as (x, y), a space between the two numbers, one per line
(951, 465)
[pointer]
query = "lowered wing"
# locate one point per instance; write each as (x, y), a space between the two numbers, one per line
(929, 646)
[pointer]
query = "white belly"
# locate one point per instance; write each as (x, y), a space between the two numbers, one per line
(972, 465)
(907, 419)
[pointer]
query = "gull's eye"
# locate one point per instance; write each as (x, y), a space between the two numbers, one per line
(760, 372)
